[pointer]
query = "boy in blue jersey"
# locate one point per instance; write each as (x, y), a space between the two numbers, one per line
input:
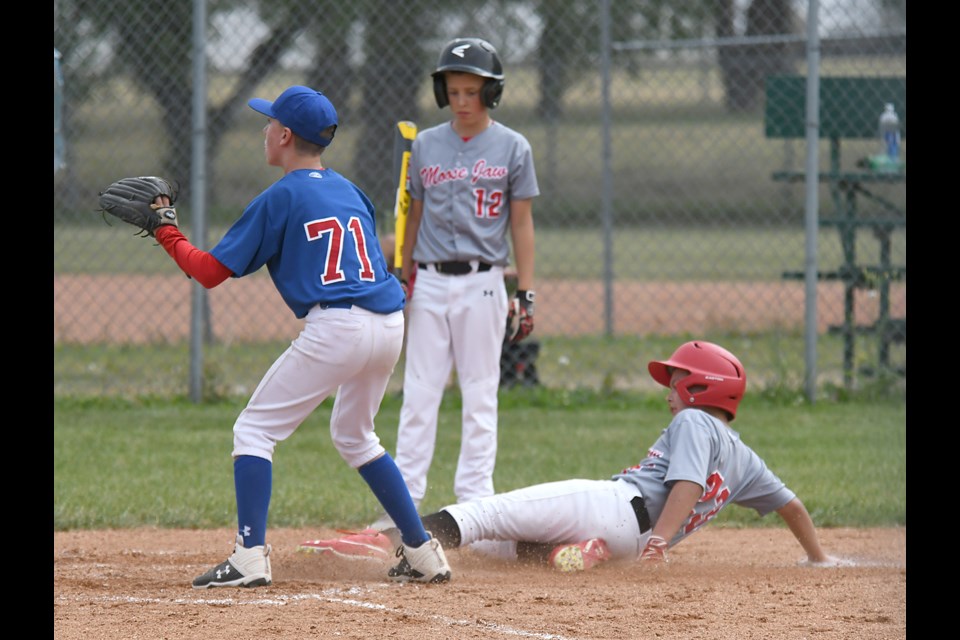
(697, 467)
(315, 232)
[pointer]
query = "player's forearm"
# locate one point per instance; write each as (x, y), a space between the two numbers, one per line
(801, 525)
(521, 230)
(199, 265)
(680, 502)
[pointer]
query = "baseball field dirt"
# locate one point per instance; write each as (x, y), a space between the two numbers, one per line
(720, 583)
(140, 309)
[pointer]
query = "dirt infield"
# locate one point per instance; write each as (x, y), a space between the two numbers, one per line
(721, 583)
(140, 308)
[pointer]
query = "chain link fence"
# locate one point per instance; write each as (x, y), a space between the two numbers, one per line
(671, 206)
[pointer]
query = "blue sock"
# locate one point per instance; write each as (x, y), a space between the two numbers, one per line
(387, 484)
(253, 480)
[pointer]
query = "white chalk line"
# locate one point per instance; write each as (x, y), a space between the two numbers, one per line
(335, 596)
(841, 562)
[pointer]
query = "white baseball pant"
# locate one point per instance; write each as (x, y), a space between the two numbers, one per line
(350, 352)
(453, 321)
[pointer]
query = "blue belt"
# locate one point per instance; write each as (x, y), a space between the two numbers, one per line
(336, 305)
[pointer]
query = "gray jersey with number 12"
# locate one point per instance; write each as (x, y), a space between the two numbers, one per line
(469, 224)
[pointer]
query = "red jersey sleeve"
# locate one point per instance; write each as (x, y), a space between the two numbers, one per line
(199, 265)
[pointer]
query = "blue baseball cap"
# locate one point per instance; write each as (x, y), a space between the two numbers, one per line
(305, 111)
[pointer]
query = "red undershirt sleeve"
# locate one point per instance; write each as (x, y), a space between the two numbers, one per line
(199, 265)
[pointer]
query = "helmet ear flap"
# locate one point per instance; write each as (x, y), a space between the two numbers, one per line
(492, 92)
(440, 90)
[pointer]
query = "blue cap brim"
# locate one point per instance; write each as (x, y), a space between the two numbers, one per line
(262, 106)
(305, 111)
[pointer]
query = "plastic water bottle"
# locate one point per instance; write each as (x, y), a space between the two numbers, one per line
(890, 134)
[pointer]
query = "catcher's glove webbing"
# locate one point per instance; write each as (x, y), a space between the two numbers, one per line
(133, 200)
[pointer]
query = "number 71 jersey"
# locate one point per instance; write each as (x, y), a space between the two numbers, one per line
(316, 232)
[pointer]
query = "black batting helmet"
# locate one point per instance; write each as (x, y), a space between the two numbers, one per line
(471, 55)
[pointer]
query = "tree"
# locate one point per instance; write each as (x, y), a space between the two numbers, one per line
(745, 67)
(391, 78)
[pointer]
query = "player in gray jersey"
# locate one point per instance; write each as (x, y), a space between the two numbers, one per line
(697, 466)
(472, 181)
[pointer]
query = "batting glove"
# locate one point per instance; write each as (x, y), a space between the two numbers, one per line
(655, 551)
(408, 284)
(520, 316)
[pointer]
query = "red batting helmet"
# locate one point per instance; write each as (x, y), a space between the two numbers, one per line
(470, 55)
(710, 366)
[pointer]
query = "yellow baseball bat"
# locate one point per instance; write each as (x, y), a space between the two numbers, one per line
(402, 143)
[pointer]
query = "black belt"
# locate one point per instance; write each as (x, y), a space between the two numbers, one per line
(336, 305)
(455, 268)
(640, 509)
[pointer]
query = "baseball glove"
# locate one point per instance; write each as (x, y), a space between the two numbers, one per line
(133, 200)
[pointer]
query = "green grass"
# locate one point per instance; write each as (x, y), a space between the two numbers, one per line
(592, 362)
(647, 254)
(129, 463)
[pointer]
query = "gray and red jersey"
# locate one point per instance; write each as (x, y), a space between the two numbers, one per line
(466, 191)
(697, 447)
